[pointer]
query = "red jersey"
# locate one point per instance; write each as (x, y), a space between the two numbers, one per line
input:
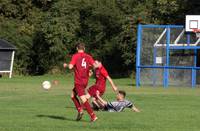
(82, 63)
(101, 74)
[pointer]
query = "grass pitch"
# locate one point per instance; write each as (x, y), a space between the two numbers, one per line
(25, 106)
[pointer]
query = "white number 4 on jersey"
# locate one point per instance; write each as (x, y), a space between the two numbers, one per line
(83, 63)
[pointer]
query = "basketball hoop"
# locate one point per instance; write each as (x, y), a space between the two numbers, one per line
(197, 32)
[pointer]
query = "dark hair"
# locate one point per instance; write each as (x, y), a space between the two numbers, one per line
(80, 46)
(98, 59)
(122, 93)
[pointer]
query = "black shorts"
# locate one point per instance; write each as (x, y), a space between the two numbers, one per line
(107, 107)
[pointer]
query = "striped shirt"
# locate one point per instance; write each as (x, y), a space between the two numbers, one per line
(118, 106)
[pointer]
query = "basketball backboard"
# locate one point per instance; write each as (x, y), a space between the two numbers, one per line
(192, 22)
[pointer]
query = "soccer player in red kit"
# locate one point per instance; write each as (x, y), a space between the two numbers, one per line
(99, 87)
(81, 62)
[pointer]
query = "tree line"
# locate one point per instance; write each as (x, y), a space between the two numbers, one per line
(46, 31)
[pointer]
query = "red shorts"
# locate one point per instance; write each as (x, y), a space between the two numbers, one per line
(93, 91)
(79, 89)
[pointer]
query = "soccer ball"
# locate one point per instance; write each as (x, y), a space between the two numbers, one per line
(46, 85)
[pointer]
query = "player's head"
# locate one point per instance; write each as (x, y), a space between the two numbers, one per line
(80, 46)
(121, 95)
(98, 62)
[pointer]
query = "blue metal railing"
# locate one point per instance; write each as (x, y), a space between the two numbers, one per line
(167, 66)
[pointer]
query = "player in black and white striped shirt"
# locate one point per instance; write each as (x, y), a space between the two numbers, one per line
(116, 106)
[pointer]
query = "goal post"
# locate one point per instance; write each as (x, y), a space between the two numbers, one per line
(166, 55)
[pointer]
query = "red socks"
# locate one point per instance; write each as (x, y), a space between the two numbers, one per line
(88, 108)
(77, 104)
(86, 105)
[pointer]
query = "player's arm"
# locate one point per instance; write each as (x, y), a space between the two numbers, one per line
(132, 107)
(135, 109)
(93, 63)
(112, 83)
(70, 66)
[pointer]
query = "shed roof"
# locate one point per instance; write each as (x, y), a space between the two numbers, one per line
(5, 45)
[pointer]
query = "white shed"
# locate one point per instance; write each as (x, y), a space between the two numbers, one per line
(7, 52)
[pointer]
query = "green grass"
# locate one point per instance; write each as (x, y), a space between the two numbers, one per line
(25, 106)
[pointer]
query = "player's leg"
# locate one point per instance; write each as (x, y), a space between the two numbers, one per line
(99, 99)
(88, 108)
(92, 93)
(76, 101)
(88, 96)
(81, 93)
(95, 104)
(77, 105)
(100, 104)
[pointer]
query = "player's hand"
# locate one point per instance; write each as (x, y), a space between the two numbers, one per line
(65, 65)
(90, 73)
(115, 89)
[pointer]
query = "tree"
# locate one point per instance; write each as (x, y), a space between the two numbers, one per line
(44, 31)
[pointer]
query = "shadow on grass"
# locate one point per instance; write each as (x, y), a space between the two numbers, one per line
(70, 107)
(57, 117)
